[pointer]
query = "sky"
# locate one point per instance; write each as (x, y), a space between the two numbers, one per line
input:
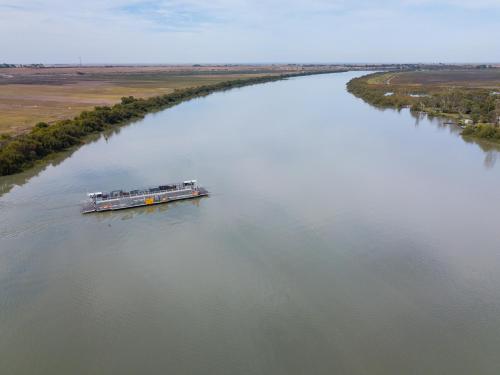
(246, 31)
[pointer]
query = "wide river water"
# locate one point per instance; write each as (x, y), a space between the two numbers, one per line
(338, 239)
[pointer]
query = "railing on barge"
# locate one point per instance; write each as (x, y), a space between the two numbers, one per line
(117, 194)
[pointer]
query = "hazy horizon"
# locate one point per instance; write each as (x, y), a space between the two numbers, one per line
(223, 31)
(243, 63)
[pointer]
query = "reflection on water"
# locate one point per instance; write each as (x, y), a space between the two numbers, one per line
(19, 179)
(490, 159)
(8, 182)
(132, 213)
(337, 239)
(491, 149)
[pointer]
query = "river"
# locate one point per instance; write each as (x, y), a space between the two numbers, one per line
(338, 239)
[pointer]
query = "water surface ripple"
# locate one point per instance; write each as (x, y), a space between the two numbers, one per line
(339, 238)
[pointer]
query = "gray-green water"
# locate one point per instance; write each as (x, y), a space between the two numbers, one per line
(339, 239)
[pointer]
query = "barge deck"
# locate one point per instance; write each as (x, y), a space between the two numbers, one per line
(119, 199)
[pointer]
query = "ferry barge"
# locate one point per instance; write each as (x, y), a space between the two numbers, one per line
(119, 199)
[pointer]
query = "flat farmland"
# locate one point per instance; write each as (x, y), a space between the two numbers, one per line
(471, 78)
(31, 95)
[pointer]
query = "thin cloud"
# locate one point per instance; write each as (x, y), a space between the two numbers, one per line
(251, 31)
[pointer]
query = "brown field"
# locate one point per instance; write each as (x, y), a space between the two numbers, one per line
(31, 95)
(471, 78)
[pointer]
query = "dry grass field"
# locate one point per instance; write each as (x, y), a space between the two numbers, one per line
(436, 79)
(471, 78)
(31, 95)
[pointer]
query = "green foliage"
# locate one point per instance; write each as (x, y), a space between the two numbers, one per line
(41, 125)
(485, 131)
(128, 99)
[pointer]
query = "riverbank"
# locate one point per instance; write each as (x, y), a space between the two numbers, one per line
(20, 153)
(52, 93)
(471, 103)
